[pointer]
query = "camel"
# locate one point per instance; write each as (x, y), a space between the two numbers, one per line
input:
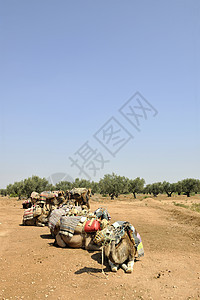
(81, 196)
(120, 245)
(80, 239)
(52, 199)
(35, 216)
(54, 217)
(79, 232)
(39, 221)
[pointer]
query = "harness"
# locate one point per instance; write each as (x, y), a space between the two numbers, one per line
(114, 234)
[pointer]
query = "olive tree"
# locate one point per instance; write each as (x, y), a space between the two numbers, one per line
(113, 185)
(190, 185)
(156, 188)
(169, 188)
(63, 185)
(179, 187)
(81, 183)
(136, 186)
(3, 192)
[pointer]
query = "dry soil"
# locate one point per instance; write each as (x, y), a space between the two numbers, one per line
(33, 268)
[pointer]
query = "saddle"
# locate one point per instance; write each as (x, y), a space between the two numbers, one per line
(102, 214)
(28, 214)
(116, 232)
(68, 225)
(133, 235)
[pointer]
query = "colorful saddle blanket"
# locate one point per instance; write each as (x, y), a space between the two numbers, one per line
(28, 214)
(68, 225)
(55, 216)
(35, 195)
(121, 227)
(48, 195)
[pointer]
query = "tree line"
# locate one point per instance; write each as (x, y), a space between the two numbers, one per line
(111, 184)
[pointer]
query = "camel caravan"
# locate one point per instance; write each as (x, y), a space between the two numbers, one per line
(38, 207)
(72, 224)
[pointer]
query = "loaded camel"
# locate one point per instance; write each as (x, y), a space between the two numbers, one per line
(79, 238)
(80, 196)
(121, 243)
(79, 231)
(35, 215)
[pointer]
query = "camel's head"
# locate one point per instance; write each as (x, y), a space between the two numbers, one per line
(104, 236)
(89, 193)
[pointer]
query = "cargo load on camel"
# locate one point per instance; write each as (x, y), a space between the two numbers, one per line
(35, 216)
(122, 243)
(52, 198)
(81, 196)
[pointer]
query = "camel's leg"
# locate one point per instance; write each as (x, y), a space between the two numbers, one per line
(87, 203)
(130, 266)
(113, 266)
(124, 267)
(30, 222)
(38, 224)
(60, 241)
(85, 200)
(41, 221)
(52, 234)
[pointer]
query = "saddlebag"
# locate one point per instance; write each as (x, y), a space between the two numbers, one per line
(92, 226)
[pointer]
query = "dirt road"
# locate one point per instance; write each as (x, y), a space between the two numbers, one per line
(32, 268)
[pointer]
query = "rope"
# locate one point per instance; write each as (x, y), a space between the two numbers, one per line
(102, 261)
(102, 271)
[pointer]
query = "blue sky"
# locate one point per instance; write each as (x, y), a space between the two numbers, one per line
(66, 68)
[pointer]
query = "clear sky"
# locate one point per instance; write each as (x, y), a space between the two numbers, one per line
(66, 69)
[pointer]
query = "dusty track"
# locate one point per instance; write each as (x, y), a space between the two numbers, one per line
(32, 268)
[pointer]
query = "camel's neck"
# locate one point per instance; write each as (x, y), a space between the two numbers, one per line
(113, 252)
(119, 253)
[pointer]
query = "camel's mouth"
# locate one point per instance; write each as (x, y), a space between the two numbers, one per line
(103, 237)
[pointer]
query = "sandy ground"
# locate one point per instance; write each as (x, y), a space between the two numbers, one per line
(33, 268)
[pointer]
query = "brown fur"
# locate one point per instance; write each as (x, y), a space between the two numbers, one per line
(79, 240)
(118, 254)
